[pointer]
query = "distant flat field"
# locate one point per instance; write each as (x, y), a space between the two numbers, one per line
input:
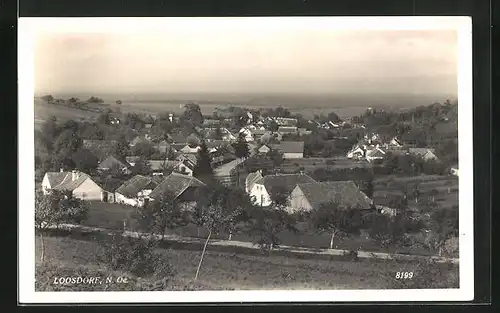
(306, 104)
(230, 271)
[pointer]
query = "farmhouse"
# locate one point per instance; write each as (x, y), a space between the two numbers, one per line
(111, 162)
(247, 133)
(425, 153)
(270, 185)
(182, 187)
(290, 149)
(264, 149)
(80, 184)
(251, 179)
(190, 149)
(374, 153)
(134, 191)
(311, 196)
(395, 143)
(356, 152)
(285, 121)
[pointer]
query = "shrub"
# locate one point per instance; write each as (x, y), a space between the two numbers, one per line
(136, 256)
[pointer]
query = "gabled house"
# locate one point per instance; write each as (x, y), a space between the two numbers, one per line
(425, 153)
(356, 153)
(374, 153)
(310, 196)
(135, 190)
(80, 184)
(264, 149)
(396, 143)
(454, 170)
(247, 133)
(189, 149)
(290, 149)
(178, 186)
(265, 188)
(113, 163)
(286, 121)
(251, 179)
(189, 159)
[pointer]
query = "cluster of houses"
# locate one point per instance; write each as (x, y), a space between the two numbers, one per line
(303, 192)
(135, 191)
(371, 148)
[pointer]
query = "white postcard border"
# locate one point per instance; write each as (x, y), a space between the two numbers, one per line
(28, 27)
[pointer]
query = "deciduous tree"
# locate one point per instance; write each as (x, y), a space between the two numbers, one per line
(336, 219)
(241, 147)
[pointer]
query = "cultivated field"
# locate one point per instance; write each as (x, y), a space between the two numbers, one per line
(231, 271)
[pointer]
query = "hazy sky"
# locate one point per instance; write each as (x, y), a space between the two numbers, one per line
(250, 59)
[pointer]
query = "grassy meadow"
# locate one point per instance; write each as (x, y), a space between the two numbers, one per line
(112, 215)
(231, 271)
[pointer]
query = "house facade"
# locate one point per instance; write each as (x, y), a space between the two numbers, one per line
(111, 162)
(263, 188)
(134, 191)
(310, 196)
(251, 179)
(78, 183)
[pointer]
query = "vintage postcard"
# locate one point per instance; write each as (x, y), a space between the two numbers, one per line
(245, 159)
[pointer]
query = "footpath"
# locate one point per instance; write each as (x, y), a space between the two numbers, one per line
(250, 246)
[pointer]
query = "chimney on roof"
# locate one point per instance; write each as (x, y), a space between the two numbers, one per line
(74, 175)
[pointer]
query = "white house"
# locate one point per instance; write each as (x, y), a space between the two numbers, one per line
(111, 162)
(135, 190)
(264, 149)
(247, 133)
(251, 179)
(356, 152)
(264, 188)
(189, 149)
(375, 153)
(395, 142)
(425, 153)
(80, 184)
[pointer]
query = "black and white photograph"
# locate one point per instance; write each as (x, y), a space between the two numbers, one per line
(249, 159)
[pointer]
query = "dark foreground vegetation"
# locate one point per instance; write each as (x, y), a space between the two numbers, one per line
(224, 270)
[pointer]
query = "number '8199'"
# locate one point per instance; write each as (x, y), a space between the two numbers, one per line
(404, 275)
